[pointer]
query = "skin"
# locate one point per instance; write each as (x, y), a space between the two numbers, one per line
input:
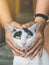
(5, 17)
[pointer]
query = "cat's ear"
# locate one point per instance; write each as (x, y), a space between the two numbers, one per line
(10, 27)
(35, 26)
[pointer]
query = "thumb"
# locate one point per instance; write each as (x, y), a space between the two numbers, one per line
(15, 24)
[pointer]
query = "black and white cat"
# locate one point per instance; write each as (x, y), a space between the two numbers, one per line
(24, 38)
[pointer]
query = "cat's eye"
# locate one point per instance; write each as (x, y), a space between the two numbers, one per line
(17, 37)
(29, 36)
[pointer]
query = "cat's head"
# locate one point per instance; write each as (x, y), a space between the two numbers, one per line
(23, 37)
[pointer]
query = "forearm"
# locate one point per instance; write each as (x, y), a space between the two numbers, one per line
(5, 16)
(42, 7)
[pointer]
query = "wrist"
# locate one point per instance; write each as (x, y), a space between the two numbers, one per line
(7, 22)
(42, 23)
(39, 19)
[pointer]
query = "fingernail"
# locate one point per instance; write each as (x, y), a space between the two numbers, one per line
(25, 56)
(40, 55)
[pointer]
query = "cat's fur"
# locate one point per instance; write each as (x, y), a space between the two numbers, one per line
(24, 38)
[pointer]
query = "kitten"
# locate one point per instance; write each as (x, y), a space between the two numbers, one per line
(24, 38)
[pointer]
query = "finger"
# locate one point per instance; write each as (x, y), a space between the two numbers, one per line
(16, 54)
(27, 25)
(40, 53)
(34, 44)
(16, 50)
(17, 25)
(33, 49)
(35, 53)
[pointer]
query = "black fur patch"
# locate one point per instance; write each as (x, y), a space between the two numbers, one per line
(18, 34)
(28, 32)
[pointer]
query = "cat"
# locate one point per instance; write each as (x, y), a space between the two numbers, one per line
(24, 38)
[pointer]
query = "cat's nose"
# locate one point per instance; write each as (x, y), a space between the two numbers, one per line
(23, 44)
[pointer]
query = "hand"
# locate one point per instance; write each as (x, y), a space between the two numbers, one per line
(16, 50)
(28, 24)
(33, 50)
